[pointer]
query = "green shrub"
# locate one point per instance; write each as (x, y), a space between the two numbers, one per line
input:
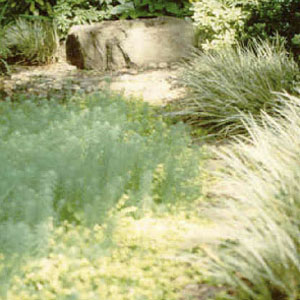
(151, 8)
(218, 22)
(70, 12)
(270, 17)
(225, 85)
(75, 12)
(226, 22)
(74, 162)
(260, 259)
(32, 41)
(4, 50)
(15, 8)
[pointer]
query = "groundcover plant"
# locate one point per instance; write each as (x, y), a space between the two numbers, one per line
(75, 162)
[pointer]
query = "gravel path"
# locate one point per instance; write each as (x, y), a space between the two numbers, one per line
(156, 85)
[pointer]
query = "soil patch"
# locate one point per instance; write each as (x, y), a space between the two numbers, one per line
(156, 85)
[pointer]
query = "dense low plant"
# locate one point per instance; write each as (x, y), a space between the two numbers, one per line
(151, 8)
(32, 41)
(141, 261)
(75, 162)
(260, 259)
(267, 18)
(4, 50)
(74, 12)
(68, 13)
(15, 8)
(217, 23)
(225, 85)
(226, 22)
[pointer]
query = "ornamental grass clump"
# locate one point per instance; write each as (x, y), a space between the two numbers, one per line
(259, 256)
(225, 85)
(4, 50)
(32, 41)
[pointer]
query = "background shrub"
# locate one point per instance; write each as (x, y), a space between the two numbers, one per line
(67, 163)
(70, 12)
(270, 17)
(225, 85)
(32, 41)
(260, 259)
(15, 8)
(227, 22)
(4, 50)
(74, 12)
(218, 23)
(151, 8)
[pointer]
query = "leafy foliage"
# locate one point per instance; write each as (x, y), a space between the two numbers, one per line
(271, 17)
(75, 162)
(150, 8)
(260, 259)
(226, 22)
(4, 50)
(32, 41)
(70, 12)
(217, 23)
(15, 8)
(226, 85)
(141, 265)
(74, 12)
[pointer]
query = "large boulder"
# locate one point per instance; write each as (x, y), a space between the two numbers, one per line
(114, 45)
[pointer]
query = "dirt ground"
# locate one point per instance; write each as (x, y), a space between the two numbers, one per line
(157, 85)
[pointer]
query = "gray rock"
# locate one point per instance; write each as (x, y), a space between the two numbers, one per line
(115, 45)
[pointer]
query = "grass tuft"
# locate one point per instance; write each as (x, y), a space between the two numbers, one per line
(259, 256)
(32, 41)
(225, 85)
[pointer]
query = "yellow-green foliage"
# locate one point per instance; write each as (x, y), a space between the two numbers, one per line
(226, 22)
(73, 163)
(142, 263)
(217, 23)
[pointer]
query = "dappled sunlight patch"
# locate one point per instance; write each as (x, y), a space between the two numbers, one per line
(144, 261)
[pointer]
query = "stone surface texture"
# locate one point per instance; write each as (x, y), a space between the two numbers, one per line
(115, 45)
